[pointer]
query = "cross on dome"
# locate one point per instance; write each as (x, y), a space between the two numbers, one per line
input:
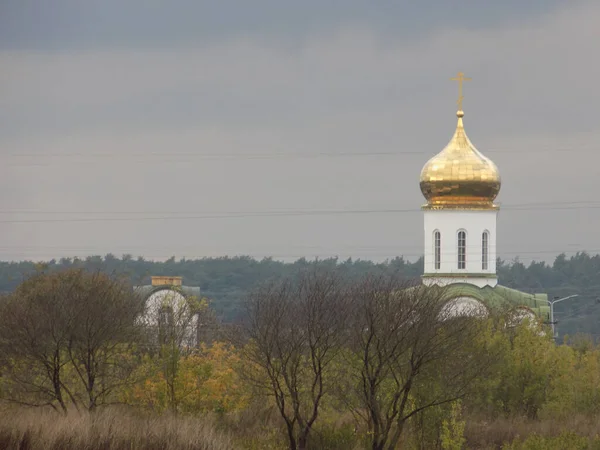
(460, 77)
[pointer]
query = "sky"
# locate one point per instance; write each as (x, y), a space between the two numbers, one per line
(289, 129)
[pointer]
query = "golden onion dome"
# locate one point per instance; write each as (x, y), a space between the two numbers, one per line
(459, 176)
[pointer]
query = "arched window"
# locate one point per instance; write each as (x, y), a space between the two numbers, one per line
(462, 250)
(485, 239)
(437, 249)
(165, 324)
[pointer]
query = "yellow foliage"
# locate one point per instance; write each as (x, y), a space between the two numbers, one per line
(205, 381)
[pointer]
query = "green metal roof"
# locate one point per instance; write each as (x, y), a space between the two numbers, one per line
(499, 297)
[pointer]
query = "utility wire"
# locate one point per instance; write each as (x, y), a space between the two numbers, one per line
(364, 249)
(282, 155)
(574, 313)
(322, 254)
(517, 206)
(233, 215)
(572, 247)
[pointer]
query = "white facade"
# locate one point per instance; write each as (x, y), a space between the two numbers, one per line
(168, 308)
(460, 247)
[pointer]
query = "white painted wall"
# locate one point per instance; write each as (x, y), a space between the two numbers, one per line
(449, 223)
(186, 327)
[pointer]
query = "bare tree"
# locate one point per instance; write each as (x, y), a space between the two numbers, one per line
(72, 320)
(295, 328)
(34, 333)
(407, 353)
(104, 311)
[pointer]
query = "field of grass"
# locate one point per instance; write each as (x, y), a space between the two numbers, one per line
(120, 429)
(112, 429)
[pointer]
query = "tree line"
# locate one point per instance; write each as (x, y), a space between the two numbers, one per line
(227, 280)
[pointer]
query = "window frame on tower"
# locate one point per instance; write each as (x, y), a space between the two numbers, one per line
(485, 250)
(461, 254)
(437, 249)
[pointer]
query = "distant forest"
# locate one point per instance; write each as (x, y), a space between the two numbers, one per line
(226, 281)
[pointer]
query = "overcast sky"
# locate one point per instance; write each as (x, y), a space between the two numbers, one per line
(178, 128)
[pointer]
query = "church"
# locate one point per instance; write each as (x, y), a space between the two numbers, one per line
(167, 311)
(460, 185)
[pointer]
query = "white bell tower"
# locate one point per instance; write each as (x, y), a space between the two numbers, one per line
(460, 247)
(460, 185)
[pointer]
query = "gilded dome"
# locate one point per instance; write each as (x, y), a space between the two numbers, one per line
(459, 176)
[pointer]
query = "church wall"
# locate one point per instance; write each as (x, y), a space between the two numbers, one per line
(449, 223)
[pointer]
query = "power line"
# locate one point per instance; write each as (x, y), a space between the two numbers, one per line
(240, 214)
(280, 154)
(303, 246)
(322, 253)
(194, 256)
(363, 248)
(226, 215)
(574, 313)
(531, 205)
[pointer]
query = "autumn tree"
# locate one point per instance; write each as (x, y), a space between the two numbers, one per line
(408, 352)
(295, 329)
(34, 334)
(206, 382)
(64, 337)
(104, 312)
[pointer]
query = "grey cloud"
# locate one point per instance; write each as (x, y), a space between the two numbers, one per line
(354, 90)
(73, 24)
(518, 69)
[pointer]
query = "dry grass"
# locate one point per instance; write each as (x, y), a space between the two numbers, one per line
(258, 428)
(493, 434)
(114, 429)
